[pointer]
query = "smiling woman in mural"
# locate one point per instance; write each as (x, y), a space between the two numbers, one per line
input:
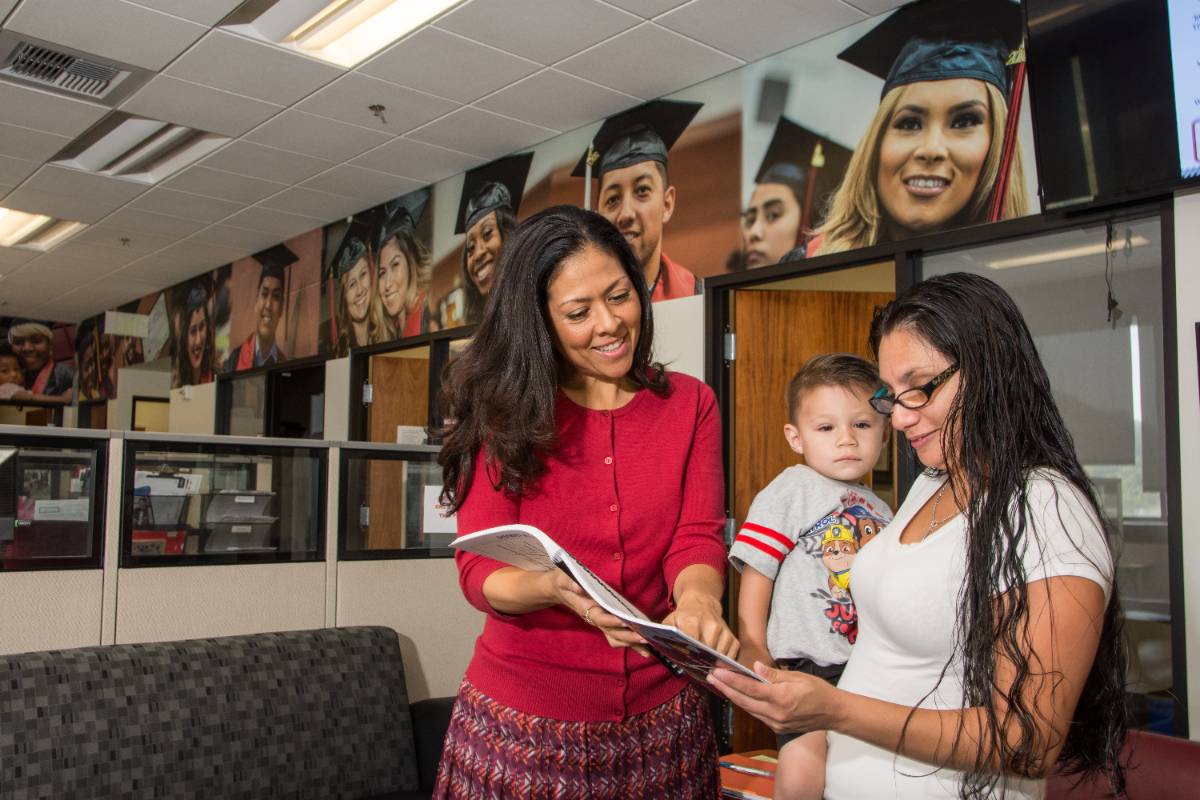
(487, 215)
(359, 319)
(403, 275)
(932, 155)
(194, 350)
(46, 380)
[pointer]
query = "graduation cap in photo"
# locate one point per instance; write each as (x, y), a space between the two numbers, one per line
(273, 261)
(934, 40)
(797, 154)
(498, 184)
(356, 243)
(403, 212)
(645, 133)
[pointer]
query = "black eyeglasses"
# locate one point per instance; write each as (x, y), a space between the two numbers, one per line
(912, 399)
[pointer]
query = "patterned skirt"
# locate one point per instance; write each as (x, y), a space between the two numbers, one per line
(493, 751)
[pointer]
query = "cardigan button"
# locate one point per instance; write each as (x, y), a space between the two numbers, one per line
(608, 459)
(616, 555)
(613, 507)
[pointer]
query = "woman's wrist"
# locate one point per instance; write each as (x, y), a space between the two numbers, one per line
(698, 598)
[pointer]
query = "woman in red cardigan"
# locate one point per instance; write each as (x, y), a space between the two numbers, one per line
(562, 422)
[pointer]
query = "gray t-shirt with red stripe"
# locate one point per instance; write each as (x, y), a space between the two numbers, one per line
(803, 532)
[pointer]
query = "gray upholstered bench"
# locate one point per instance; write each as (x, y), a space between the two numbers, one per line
(305, 714)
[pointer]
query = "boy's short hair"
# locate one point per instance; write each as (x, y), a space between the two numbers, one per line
(831, 369)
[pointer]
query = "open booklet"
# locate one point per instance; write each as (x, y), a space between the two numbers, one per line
(527, 547)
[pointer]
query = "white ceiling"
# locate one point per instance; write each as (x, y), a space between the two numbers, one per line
(485, 79)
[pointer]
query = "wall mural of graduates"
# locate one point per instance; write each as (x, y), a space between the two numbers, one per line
(37, 360)
(896, 127)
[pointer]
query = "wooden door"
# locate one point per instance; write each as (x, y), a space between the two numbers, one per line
(401, 397)
(777, 331)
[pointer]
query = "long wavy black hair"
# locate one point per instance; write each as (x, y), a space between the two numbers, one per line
(1002, 424)
(500, 393)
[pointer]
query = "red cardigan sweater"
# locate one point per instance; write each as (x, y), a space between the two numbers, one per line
(636, 494)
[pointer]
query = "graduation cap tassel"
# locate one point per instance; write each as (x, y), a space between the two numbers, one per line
(814, 167)
(1000, 189)
(592, 155)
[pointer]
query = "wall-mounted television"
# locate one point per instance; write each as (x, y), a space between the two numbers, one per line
(1115, 93)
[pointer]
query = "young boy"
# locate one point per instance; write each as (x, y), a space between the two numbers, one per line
(12, 378)
(795, 551)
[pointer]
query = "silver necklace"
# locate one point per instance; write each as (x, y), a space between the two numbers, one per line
(934, 523)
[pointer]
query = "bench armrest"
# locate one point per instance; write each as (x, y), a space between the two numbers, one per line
(430, 720)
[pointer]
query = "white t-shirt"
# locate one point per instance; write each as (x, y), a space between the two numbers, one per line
(907, 597)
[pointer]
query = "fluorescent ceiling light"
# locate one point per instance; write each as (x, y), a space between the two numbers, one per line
(34, 231)
(1063, 254)
(342, 32)
(137, 149)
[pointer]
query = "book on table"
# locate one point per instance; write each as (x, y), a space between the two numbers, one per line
(529, 548)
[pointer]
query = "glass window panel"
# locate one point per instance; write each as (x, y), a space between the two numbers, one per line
(391, 506)
(47, 504)
(1107, 377)
(242, 503)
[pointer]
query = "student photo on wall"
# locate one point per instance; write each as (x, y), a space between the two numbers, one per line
(939, 153)
(194, 359)
(798, 173)
(628, 158)
(487, 215)
(262, 345)
(87, 358)
(404, 267)
(356, 318)
(47, 360)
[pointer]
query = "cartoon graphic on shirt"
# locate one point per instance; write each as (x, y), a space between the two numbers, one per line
(836, 539)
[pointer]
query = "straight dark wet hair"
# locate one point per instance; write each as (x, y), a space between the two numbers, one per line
(501, 393)
(1002, 425)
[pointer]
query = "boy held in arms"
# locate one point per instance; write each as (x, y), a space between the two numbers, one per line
(12, 377)
(795, 609)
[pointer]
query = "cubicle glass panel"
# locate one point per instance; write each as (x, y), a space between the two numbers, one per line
(51, 503)
(390, 505)
(1106, 369)
(243, 405)
(213, 503)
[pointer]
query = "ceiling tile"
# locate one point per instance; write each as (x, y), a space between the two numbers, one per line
(43, 111)
(184, 204)
(447, 65)
(208, 12)
(282, 224)
(649, 61)
(753, 30)
(7, 6)
(86, 185)
(201, 107)
(204, 255)
(70, 194)
(15, 170)
(876, 6)
(317, 136)
(366, 184)
(250, 241)
(417, 160)
(348, 99)
(29, 145)
(137, 243)
(482, 133)
(542, 30)
(256, 69)
(576, 101)
(649, 8)
(268, 163)
(160, 269)
(224, 185)
(310, 203)
(108, 28)
(132, 219)
(13, 257)
(94, 259)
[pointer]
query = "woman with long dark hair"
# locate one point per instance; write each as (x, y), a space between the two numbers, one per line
(195, 353)
(989, 649)
(561, 421)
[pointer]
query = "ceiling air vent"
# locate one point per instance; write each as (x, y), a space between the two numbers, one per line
(61, 70)
(69, 72)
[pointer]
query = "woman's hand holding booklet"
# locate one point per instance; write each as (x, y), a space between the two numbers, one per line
(528, 548)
